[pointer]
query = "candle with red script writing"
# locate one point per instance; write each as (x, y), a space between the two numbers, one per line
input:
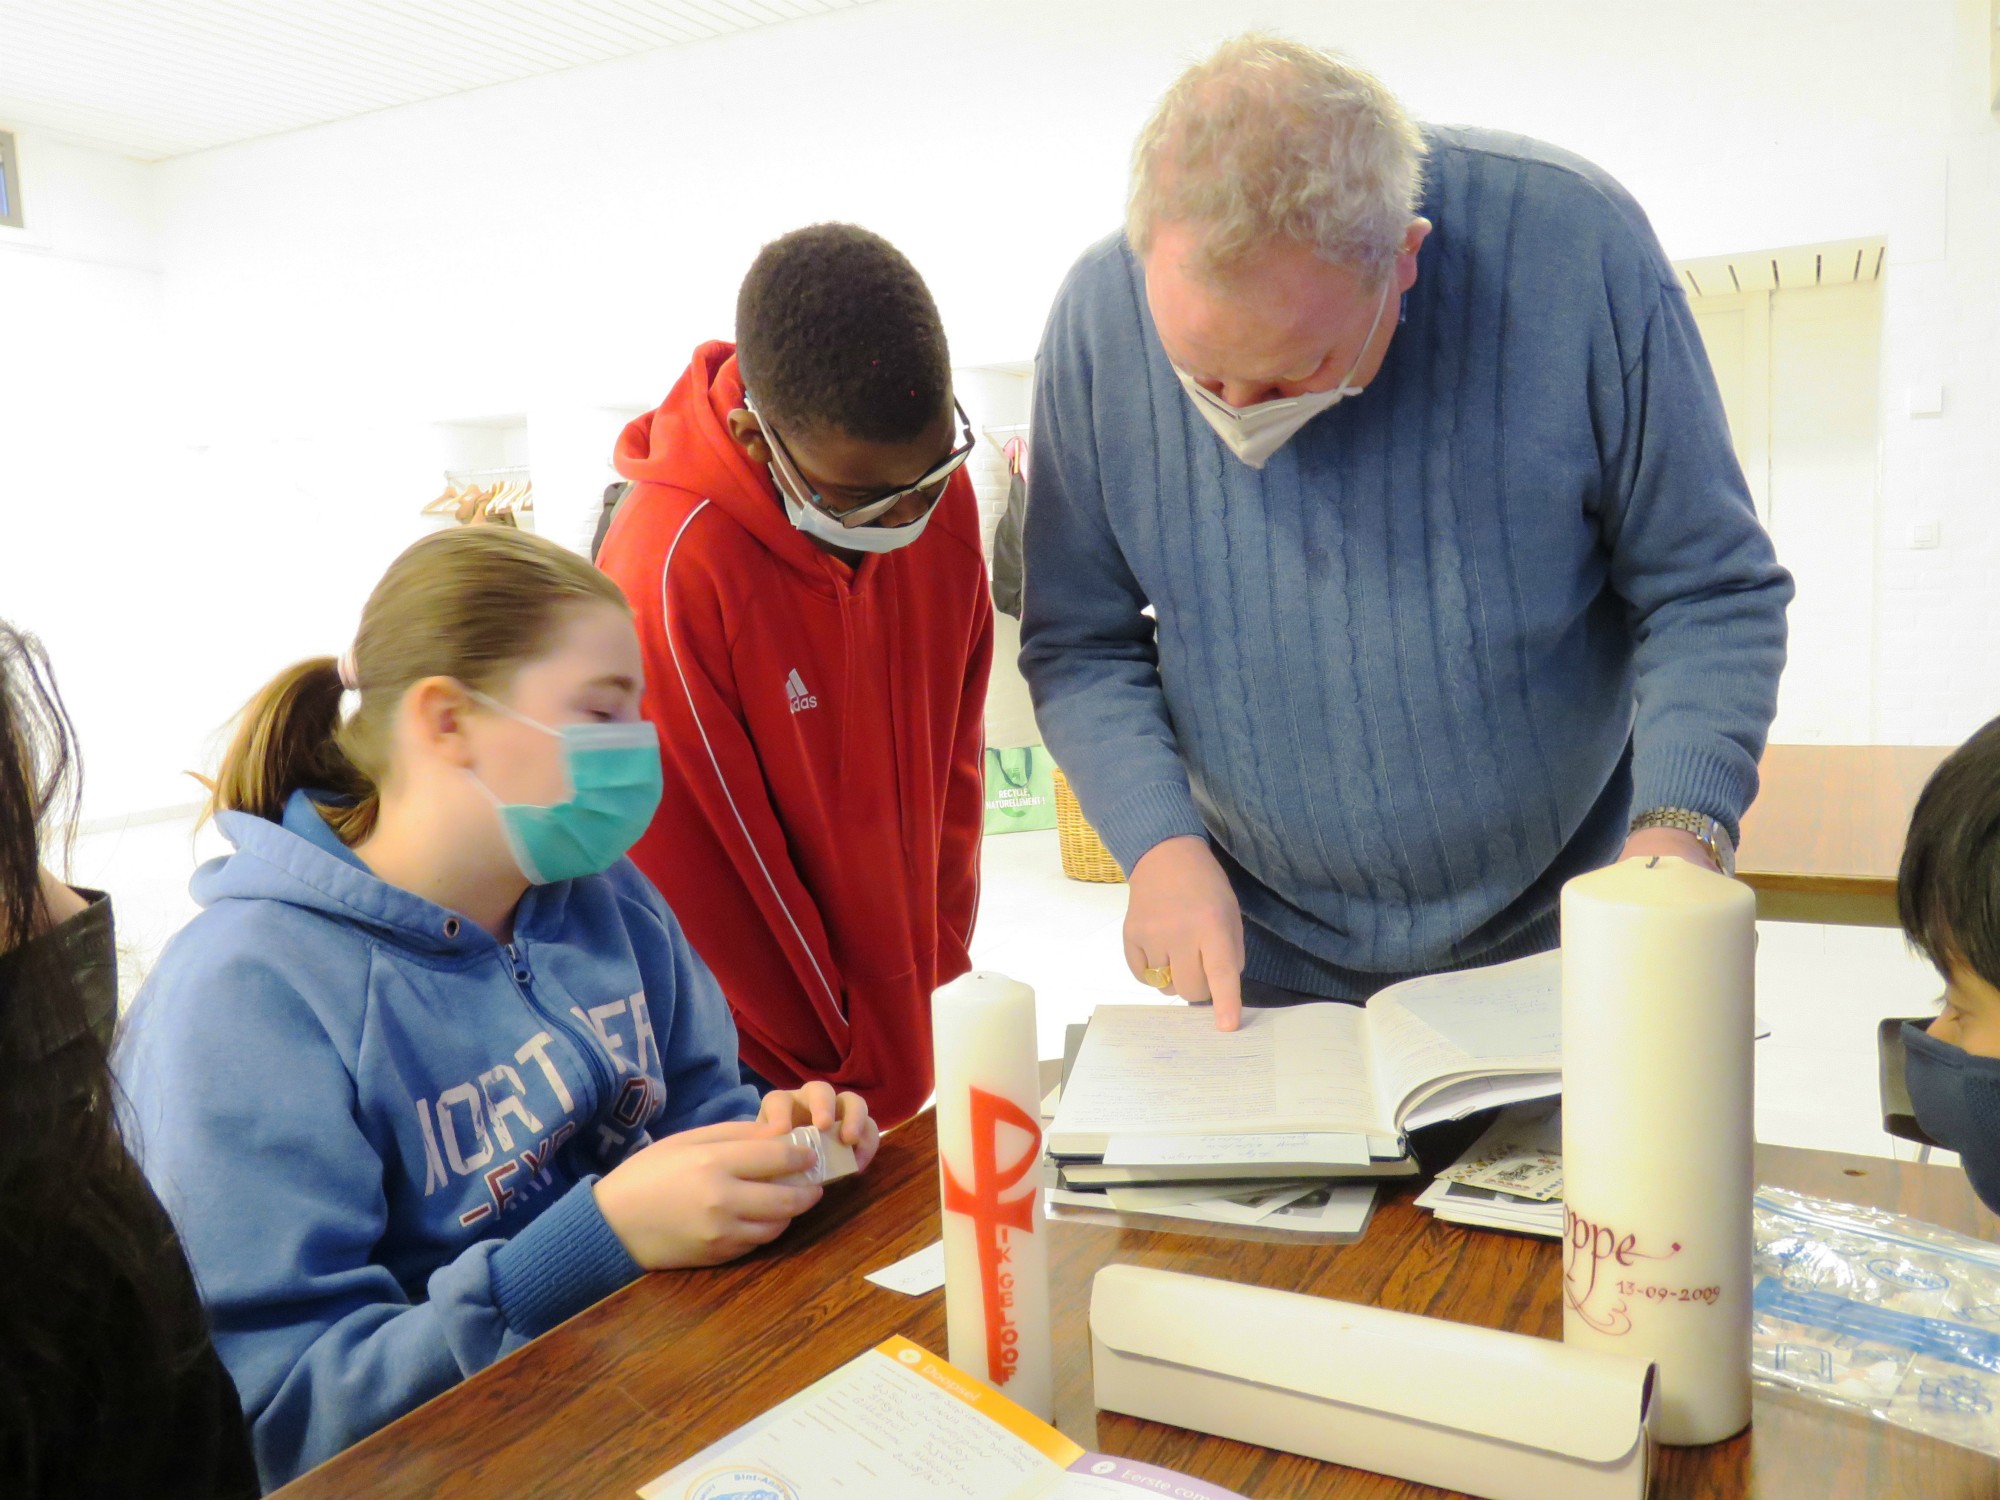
(989, 1130)
(1658, 977)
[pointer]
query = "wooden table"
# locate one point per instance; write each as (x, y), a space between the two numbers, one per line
(648, 1377)
(1824, 838)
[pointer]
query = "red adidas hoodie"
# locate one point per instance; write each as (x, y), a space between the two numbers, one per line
(821, 729)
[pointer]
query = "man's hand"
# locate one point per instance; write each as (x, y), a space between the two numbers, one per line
(1183, 916)
(1677, 842)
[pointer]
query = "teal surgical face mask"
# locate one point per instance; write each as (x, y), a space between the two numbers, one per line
(614, 789)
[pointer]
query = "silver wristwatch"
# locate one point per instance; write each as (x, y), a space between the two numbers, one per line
(1708, 832)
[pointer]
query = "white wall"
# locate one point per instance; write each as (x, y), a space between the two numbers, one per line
(1937, 636)
(556, 247)
(81, 449)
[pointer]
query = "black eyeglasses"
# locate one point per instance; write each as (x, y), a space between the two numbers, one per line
(929, 489)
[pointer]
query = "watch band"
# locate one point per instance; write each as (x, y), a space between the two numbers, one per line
(1708, 831)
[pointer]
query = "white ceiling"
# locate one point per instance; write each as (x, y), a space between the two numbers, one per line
(159, 78)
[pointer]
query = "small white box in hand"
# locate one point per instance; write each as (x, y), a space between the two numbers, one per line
(831, 1160)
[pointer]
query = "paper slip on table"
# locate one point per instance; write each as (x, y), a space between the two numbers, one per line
(623, 1392)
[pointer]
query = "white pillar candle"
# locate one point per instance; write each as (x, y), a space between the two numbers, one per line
(996, 1264)
(1658, 976)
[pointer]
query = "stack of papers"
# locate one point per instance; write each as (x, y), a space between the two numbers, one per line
(1510, 1179)
(1330, 1212)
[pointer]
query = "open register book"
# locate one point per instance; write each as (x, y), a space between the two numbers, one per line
(1310, 1085)
(901, 1424)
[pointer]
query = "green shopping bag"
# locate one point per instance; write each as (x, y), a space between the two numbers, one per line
(1020, 789)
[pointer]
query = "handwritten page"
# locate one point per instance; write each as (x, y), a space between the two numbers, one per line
(1508, 1010)
(1415, 1058)
(1325, 1080)
(1153, 1070)
(1133, 1055)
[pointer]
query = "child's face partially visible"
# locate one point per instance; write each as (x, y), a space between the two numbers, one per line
(591, 673)
(847, 472)
(1971, 1018)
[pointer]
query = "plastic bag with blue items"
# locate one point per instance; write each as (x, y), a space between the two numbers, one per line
(1879, 1313)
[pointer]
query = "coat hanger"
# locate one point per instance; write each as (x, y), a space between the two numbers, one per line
(489, 501)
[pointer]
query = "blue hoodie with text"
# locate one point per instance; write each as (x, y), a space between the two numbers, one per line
(378, 1128)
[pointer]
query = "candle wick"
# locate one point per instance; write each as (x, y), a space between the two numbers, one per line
(1653, 863)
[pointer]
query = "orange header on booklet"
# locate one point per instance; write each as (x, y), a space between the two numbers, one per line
(989, 1403)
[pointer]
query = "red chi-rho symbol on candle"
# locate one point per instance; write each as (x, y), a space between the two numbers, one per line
(993, 1213)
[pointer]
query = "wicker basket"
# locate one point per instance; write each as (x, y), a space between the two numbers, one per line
(1084, 856)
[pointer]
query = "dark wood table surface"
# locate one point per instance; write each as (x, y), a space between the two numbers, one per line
(1824, 838)
(623, 1392)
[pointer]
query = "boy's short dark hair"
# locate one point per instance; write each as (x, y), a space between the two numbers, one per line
(1948, 890)
(836, 330)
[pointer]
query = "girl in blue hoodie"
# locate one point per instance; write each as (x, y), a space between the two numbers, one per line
(434, 1068)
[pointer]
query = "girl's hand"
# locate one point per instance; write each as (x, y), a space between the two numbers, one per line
(817, 1104)
(705, 1196)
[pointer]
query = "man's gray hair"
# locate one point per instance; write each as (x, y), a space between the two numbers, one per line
(1271, 140)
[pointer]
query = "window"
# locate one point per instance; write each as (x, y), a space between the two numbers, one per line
(1794, 337)
(10, 183)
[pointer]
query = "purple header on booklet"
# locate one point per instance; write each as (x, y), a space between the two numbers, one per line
(1148, 1480)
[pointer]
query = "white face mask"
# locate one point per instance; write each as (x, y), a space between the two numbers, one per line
(814, 522)
(1255, 432)
(809, 518)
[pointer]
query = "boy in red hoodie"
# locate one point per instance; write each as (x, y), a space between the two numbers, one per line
(801, 546)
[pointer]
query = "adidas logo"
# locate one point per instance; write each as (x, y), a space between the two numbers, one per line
(795, 689)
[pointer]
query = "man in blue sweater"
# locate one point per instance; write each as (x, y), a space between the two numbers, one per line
(1407, 438)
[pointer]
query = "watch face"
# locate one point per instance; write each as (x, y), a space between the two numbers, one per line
(1716, 841)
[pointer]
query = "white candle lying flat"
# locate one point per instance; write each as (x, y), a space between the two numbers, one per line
(996, 1288)
(1658, 965)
